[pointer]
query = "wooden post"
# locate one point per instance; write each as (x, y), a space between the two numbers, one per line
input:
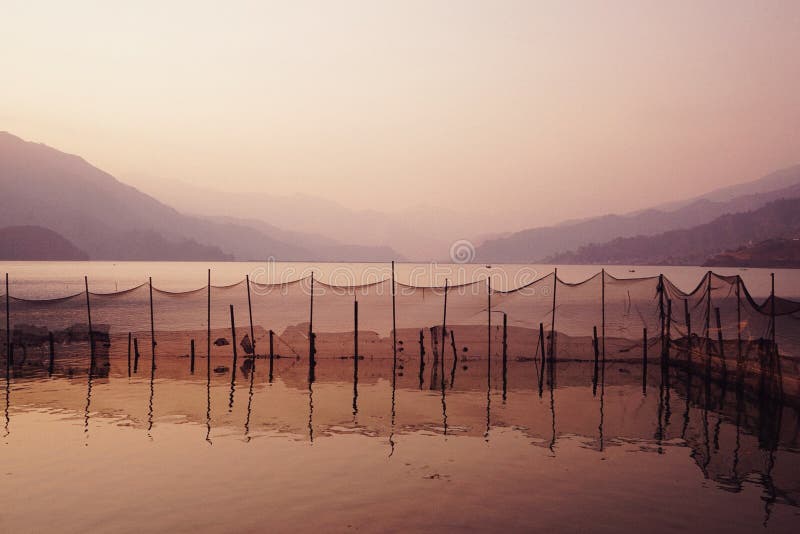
(89, 316)
(553, 318)
(421, 356)
(208, 326)
(8, 323)
(489, 332)
(135, 355)
(644, 361)
(661, 304)
(311, 348)
(603, 312)
(233, 342)
(596, 347)
(444, 327)
(271, 352)
(355, 332)
(152, 327)
(708, 308)
(53, 354)
(505, 353)
(252, 331)
(669, 330)
(544, 357)
(394, 320)
(129, 354)
(191, 356)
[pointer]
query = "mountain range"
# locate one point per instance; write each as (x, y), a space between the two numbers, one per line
(108, 219)
(98, 216)
(549, 243)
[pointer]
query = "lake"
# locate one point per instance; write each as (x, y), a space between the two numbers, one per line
(432, 440)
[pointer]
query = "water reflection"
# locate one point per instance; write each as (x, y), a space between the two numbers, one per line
(737, 435)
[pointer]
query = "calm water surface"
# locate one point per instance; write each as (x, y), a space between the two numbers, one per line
(375, 451)
(383, 446)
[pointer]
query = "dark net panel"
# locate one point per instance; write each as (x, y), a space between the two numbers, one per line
(32, 322)
(179, 319)
(578, 312)
(285, 310)
(631, 306)
(419, 315)
(526, 308)
(119, 314)
(228, 333)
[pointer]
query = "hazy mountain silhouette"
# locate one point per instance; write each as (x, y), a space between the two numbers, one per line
(420, 233)
(36, 243)
(110, 220)
(537, 244)
(694, 246)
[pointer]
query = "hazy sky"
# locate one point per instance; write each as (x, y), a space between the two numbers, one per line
(532, 110)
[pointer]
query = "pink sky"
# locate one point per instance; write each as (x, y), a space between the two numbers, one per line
(520, 111)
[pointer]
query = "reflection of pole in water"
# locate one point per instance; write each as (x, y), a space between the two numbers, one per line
(551, 372)
(355, 359)
(311, 411)
(444, 403)
(543, 359)
(455, 359)
(150, 404)
(394, 392)
(88, 401)
(51, 342)
(235, 355)
(601, 426)
(488, 402)
(8, 400)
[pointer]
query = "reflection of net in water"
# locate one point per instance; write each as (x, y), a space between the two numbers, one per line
(306, 319)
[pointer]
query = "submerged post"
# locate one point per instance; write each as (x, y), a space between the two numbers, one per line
(544, 358)
(708, 308)
(191, 356)
(661, 304)
(129, 354)
(688, 319)
(89, 316)
(489, 324)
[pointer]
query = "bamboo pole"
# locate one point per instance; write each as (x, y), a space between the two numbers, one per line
(233, 343)
(355, 332)
(191, 356)
(505, 353)
(89, 316)
(444, 328)
(8, 323)
(603, 311)
(394, 320)
(208, 326)
(596, 347)
(252, 331)
(129, 355)
(553, 318)
(152, 327)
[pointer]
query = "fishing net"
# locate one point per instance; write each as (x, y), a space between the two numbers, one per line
(717, 325)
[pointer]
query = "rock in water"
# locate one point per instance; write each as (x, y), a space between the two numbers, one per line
(221, 341)
(247, 346)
